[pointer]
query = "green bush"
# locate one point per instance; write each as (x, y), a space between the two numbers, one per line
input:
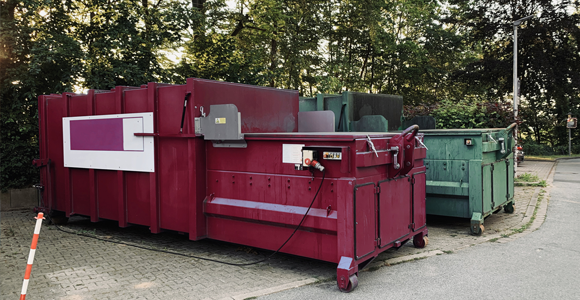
(564, 150)
(19, 144)
(537, 149)
(465, 114)
(546, 150)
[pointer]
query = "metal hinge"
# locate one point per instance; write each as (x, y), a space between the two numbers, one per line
(377, 242)
(412, 226)
(377, 189)
(38, 162)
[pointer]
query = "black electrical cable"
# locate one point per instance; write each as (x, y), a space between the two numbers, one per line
(204, 258)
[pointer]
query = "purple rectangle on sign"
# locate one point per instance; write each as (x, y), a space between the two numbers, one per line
(98, 134)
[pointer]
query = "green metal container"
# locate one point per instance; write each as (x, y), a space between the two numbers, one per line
(359, 112)
(470, 173)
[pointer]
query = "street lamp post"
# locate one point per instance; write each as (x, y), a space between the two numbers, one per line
(516, 87)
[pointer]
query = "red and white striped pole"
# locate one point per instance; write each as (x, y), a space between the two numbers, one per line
(31, 255)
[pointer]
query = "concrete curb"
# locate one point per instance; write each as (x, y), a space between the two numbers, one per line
(272, 290)
(555, 159)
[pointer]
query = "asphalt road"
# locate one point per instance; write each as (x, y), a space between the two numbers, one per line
(544, 264)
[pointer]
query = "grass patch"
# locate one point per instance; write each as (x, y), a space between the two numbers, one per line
(9, 232)
(527, 177)
(447, 251)
(493, 240)
(527, 225)
(542, 183)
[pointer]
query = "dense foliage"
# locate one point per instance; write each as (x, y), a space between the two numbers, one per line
(465, 114)
(452, 59)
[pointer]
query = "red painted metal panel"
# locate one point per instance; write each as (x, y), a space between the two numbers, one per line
(107, 194)
(303, 243)
(174, 185)
(263, 109)
(56, 109)
(345, 218)
(80, 194)
(78, 105)
(92, 196)
(105, 103)
(170, 107)
(136, 101)
(153, 105)
(365, 219)
(419, 190)
(137, 193)
(318, 219)
(121, 199)
(272, 188)
(197, 188)
(394, 209)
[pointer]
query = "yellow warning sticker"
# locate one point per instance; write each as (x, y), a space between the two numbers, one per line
(220, 120)
(332, 155)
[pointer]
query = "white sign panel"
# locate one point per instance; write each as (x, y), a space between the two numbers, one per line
(108, 142)
(292, 153)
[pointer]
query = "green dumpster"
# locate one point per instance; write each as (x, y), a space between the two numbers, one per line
(360, 112)
(470, 173)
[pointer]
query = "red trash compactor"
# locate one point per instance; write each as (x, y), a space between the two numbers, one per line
(226, 161)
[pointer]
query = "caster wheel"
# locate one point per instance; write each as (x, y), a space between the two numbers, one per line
(509, 208)
(420, 241)
(352, 284)
(478, 230)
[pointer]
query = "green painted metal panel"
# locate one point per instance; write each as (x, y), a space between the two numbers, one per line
(355, 111)
(370, 123)
(307, 104)
(449, 207)
(468, 174)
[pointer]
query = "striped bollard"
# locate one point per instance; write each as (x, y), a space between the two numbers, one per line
(39, 219)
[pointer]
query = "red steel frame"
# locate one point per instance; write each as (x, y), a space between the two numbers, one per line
(364, 207)
(164, 199)
(243, 195)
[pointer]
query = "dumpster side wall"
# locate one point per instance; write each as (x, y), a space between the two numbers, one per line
(467, 173)
(172, 196)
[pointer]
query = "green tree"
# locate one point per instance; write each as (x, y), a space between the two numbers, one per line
(548, 59)
(38, 56)
(53, 47)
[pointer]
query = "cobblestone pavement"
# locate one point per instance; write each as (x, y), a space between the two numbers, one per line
(70, 266)
(537, 167)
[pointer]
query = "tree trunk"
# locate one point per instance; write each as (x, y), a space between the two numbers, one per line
(273, 50)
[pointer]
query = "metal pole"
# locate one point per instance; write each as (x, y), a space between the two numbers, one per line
(516, 24)
(569, 142)
(515, 99)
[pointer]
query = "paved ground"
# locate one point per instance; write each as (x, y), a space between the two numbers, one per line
(71, 266)
(538, 264)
